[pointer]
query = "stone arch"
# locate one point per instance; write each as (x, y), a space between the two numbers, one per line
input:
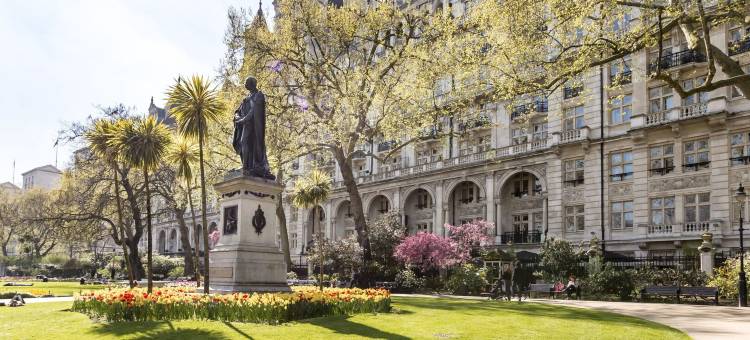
(343, 220)
(521, 219)
(466, 202)
(172, 244)
(419, 210)
(378, 205)
(161, 242)
(455, 182)
(407, 192)
(503, 179)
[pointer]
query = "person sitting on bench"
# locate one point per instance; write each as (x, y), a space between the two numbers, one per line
(571, 287)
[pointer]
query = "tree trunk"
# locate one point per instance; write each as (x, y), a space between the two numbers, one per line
(135, 260)
(187, 253)
(149, 260)
(203, 211)
(196, 236)
(360, 224)
(282, 223)
(121, 226)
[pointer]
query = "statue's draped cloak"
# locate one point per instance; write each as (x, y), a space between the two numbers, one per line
(250, 136)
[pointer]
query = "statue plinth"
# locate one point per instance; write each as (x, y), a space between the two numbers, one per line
(247, 258)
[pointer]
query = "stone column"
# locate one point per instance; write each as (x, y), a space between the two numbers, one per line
(438, 216)
(490, 199)
(329, 219)
(707, 254)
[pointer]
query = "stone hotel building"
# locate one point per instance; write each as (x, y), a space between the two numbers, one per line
(653, 171)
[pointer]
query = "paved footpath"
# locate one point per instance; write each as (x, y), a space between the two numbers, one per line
(701, 322)
(38, 300)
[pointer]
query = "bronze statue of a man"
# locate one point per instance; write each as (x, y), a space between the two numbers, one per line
(250, 132)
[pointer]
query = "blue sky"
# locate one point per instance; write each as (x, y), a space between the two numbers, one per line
(63, 58)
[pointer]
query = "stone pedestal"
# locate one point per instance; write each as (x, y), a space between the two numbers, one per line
(247, 257)
(707, 254)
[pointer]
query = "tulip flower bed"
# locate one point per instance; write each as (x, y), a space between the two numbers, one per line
(180, 304)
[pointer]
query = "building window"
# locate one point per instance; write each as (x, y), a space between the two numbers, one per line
(697, 208)
(521, 223)
(661, 159)
(293, 241)
(574, 218)
(621, 109)
(518, 135)
(466, 193)
(424, 201)
(739, 144)
(660, 99)
(662, 211)
(621, 166)
(464, 148)
(423, 227)
(696, 155)
(483, 143)
(573, 172)
(619, 71)
(573, 118)
(540, 131)
(700, 97)
(524, 183)
(538, 221)
(622, 215)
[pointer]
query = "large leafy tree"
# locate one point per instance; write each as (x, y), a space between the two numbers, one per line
(356, 75)
(310, 192)
(540, 45)
(100, 138)
(142, 143)
(9, 221)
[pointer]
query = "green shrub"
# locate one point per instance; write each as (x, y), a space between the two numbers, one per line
(611, 281)
(559, 259)
(291, 276)
(176, 272)
(467, 279)
(726, 277)
(408, 280)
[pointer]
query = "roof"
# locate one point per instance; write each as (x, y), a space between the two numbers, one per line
(9, 186)
(161, 114)
(44, 168)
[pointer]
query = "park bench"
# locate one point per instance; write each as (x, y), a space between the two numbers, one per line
(385, 284)
(546, 288)
(704, 293)
(669, 291)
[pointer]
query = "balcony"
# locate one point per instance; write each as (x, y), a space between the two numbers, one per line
(695, 110)
(385, 146)
(572, 92)
(622, 78)
(739, 46)
(677, 59)
(520, 237)
(574, 135)
(691, 229)
(514, 150)
(478, 122)
(431, 132)
(521, 110)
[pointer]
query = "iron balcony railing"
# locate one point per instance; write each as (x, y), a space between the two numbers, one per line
(385, 146)
(739, 46)
(621, 78)
(521, 237)
(677, 59)
(536, 106)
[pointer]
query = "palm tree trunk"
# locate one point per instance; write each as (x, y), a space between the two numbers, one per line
(122, 230)
(149, 236)
(187, 253)
(196, 237)
(203, 211)
(282, 223)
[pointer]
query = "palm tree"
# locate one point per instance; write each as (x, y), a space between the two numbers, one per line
(183, 154)
(142, 143)
(193, 104)
(311, 191)
(99, 138)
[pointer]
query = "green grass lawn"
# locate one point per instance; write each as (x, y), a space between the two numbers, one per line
(53, 288)
(413, 318)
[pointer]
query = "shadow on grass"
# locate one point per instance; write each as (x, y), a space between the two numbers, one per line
(156, 330)
(239, 331)
(536, 310)
(342, 325)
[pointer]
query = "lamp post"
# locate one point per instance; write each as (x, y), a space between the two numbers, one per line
(741, 196)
